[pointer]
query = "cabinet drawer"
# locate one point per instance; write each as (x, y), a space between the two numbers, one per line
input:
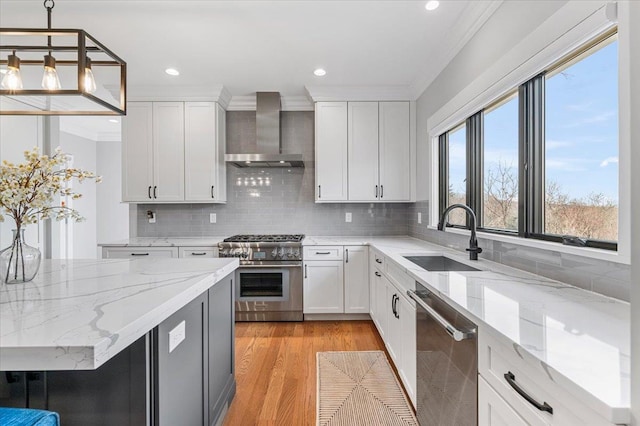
(322, 253)
(198, 252)
(493, 410)
(138, 252)
(378, 259)
(496, 359)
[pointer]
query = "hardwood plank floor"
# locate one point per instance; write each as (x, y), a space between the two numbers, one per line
(276, 367)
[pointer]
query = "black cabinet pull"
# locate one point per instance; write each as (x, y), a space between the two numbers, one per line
(347, 252)
(319, 192)
(381, 191)
(378, 260)
(212, 196)
(323, 252)
(376, 191)
(511, 379)
(393, 304)
(154, 191)
(139, 254)
(149, 191)
(378, 274)
(305, 271)
(198, 254)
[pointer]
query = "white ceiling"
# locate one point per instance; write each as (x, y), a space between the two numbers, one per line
(262, 45)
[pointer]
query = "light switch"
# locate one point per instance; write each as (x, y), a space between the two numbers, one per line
(419, 217)
(347, 217)
(177, 335)
(212, 218)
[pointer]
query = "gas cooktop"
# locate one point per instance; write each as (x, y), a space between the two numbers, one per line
(278, 238)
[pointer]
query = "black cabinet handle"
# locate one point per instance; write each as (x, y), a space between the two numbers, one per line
(154, 191)
(378, 260)
(347, 252)
(376, 191)
(323, 252)
(198, 254)
(305, 271)
(139, 254)
(378, 274)
(393, 305)
(212, 196)
(511, 379)
(149, 191)
(319, 192)
(381, 191)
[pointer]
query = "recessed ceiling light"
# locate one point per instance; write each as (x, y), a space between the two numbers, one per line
(113, 120)
(172, 71)
(320, 72)
(432, 5)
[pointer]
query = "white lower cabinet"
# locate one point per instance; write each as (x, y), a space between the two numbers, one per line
(323, 289)
(493, 410)
(138, 252)
(195, 252)
(339, 286)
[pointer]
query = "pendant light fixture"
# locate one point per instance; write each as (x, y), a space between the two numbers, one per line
(69, 84)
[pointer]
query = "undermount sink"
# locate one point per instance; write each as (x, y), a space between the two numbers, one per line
(439, 263)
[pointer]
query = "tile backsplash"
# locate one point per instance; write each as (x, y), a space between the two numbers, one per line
(282, 201)
(272, 200)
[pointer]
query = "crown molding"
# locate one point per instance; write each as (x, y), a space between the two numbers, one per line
(359, 93)
(288, 103)
(160, 93)
(474, 16)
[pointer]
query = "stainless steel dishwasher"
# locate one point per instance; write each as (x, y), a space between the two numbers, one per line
(447, 363)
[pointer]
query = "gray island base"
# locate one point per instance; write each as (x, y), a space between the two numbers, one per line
(177, 366)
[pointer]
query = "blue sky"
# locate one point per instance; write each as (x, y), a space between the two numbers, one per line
(581, 130)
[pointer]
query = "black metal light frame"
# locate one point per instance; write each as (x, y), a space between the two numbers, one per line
(83, 38)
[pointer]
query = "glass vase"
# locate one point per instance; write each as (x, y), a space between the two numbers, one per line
(19, 263)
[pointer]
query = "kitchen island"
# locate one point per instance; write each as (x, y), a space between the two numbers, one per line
(132, 326)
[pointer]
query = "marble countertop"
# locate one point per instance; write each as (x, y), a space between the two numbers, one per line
(165, 242)
(77, 314)
(581, 338)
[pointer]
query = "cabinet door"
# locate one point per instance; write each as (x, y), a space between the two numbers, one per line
(356, 280)
(331, 151)
(395, 154)
(137, 152)
(168, 151)
(493, 410)
(393, 332)
(363, 151)
(220, 190)
(381, 302)
(323, 287)
(373, 307)
(200, 151)
(407, 367)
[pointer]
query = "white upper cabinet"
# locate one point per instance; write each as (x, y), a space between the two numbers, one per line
(137, 152)
(168, 151)
(331, 151)
(363, 151)
(378, 165)
(395, 151)
(174, 152)
(204, 157)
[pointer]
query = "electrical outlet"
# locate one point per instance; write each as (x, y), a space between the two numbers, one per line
(152, 216)
(212, 218)
(419, 217)
(347, 217)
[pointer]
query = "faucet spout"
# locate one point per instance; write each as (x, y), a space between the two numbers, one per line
(473, 242)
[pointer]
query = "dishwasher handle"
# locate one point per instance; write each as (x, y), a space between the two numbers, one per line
(457, 335)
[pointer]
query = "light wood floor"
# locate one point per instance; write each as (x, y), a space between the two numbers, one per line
(276, 367)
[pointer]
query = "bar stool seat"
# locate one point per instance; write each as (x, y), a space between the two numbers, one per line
(28, 417)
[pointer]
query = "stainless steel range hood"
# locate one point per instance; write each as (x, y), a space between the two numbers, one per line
(269, 147)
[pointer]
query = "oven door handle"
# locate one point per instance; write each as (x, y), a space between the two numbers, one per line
(280, 266)
(453, 332)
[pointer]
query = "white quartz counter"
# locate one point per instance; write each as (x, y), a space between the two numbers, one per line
(581, 338)
(76, 315)
(165, 242)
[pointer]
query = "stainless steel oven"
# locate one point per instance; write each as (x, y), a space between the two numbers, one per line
(268, 283)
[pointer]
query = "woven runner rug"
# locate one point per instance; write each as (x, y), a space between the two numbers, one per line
(359, 388)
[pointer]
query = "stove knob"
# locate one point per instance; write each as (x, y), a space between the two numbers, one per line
(296, 253)
(224, 253)
(274, 253)
(290, 253)
(244, 255)
(281, 253)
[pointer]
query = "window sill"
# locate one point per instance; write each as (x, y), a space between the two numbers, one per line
(589, 252)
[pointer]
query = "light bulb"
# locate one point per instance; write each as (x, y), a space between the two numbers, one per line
(50, 80)
(89, 81)
(12, 80)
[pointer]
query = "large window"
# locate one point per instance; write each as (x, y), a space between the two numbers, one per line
(543, 160)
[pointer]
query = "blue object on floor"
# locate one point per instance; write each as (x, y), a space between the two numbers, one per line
(28, 417)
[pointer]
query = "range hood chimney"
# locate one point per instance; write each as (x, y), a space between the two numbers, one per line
(269, 146)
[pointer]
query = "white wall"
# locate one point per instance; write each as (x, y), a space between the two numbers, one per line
(82, 235)
(113, 215)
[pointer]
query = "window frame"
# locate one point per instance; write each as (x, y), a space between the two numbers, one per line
(531, 154)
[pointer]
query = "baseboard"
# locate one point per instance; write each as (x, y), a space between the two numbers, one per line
(336, 317)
